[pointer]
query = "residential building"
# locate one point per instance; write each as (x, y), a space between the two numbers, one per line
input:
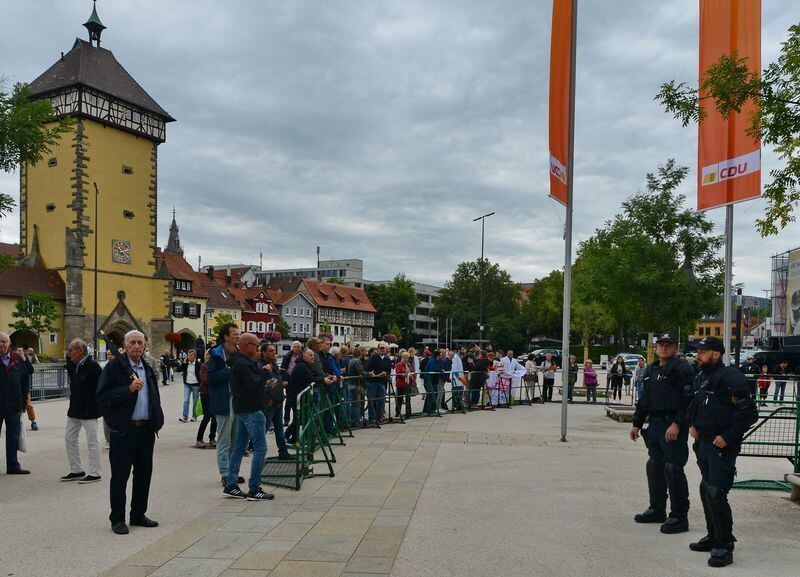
(298, 311)
(259, 314)
(346, 270)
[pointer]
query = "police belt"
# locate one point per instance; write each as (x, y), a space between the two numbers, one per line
(660, 418)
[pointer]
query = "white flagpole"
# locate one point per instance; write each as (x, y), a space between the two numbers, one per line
(568, 231)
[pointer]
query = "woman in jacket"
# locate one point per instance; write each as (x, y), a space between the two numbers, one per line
(617, 377)
(403, 375)
(356, 378)
(590, 381)
(208, 416)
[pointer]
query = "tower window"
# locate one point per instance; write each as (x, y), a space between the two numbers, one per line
(127, 213)
(52, 162)
(127, 169)
(50, 207)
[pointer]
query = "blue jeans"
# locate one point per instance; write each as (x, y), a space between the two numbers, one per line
(780, 390)
(194, 392)
(12, 439)
(352, 406)
(226, 432)
(251, 427)
(274, 416)
(376, 400)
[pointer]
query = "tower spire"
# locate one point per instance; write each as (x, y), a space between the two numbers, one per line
(174, 242)
(94, 26)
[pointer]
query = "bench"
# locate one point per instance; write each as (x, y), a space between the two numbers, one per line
(620, 414)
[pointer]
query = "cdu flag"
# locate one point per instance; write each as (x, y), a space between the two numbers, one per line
(561, 95)
(728, 159)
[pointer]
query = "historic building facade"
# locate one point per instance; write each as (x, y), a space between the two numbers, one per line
(93, 200)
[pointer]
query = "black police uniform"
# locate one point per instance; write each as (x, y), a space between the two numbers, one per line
(722, 405)
(665, 397)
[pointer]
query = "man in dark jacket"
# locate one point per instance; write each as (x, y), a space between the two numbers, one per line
(668, 389)
(751, 369)
(167, 361)
(720, 414)
(83, 411)
(13, 398)
(131, 405)
(219, 394)
(302, 377)
(248, 388)
(287, 366)
(275, 397)
(378, 370)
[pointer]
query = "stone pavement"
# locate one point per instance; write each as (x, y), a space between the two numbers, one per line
(488, 493)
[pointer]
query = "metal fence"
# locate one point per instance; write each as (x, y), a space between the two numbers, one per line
(49, 382)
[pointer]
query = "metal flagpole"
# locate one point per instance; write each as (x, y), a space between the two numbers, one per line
(726, 308)
(568, 232)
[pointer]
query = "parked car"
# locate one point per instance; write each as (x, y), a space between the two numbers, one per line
(631, 360)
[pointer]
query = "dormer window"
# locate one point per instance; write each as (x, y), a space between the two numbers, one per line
(183, 285)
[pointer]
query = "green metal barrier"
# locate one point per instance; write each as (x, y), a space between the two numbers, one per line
(310, 438)
(775, 434)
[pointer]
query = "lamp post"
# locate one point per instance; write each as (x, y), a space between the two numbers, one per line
(96, 232)
(738, 325)
(483, 231)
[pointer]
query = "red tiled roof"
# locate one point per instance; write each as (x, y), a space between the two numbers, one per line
(9, 249)
(18, 281)
(180, 269)
(338, 296)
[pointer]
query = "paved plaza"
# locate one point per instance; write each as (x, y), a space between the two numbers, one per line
(488, 493)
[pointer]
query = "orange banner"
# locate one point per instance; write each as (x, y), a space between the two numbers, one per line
(560, 89)
(728, 160)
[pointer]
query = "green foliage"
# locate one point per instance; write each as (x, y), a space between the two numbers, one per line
(219, 320)
(35, 312)
(460, 300)
(394, 301)
(655, 266)
(24, 137)
(334, 280)
(542, 315)
(283, 327)
(730, 84)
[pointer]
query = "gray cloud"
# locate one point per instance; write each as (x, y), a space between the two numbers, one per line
(380, 129)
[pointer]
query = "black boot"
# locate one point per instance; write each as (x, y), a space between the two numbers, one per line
(651, 515)
(704, 545)
(721, 555)
(675, 524)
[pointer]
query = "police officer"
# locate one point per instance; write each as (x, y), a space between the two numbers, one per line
(666, 394)
(720, 413)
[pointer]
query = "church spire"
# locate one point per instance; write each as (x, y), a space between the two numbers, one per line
(94, 26)
(174, 242)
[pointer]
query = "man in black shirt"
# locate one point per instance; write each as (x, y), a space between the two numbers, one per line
(720, 414)
(248, 389)
(667, 391)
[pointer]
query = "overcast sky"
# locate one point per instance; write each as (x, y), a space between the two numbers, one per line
(379, 130)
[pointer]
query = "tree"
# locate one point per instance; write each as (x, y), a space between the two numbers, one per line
(459, 299)
(334, 280)
(730, 85)
(543, 313)
(590, 320)
(37, 313)
(24, 137)
(395, 302)
(283, 327)
(655, 267)
(219, 320)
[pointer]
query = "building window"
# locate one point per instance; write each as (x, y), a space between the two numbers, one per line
(127, 214)
(308, 328)
(234, 315)
(50, 207)
(52, 162)
(127, 169)
(53, 338)
(262, 327)
(716, 331)
(294, 311)
(192, 312)
(210, 314)
(177, 309)
(294, 327)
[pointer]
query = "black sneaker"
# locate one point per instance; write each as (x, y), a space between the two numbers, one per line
(224, 480)
(260, 495)
(675, 525)
(721, 555)
(704, 545)
(73, 476)
(234, 492)
(650, 515)
(285, 457)
(89, 479)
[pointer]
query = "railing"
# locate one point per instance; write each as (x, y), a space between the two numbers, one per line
(49, 382)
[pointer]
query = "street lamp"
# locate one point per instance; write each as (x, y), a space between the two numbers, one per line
(96, 231)
(483, 230)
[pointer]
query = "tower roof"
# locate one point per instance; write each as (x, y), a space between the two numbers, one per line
(97, 68)
(174, 242)
(93, 25)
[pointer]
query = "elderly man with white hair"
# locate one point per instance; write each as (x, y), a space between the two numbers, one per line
(83, 412)
(131, 405)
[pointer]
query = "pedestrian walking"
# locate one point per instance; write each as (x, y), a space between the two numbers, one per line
(719, 415)
(167, 362)
(190, 369)
(83, 412)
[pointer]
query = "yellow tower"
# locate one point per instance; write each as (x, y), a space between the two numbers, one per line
(93, 202)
